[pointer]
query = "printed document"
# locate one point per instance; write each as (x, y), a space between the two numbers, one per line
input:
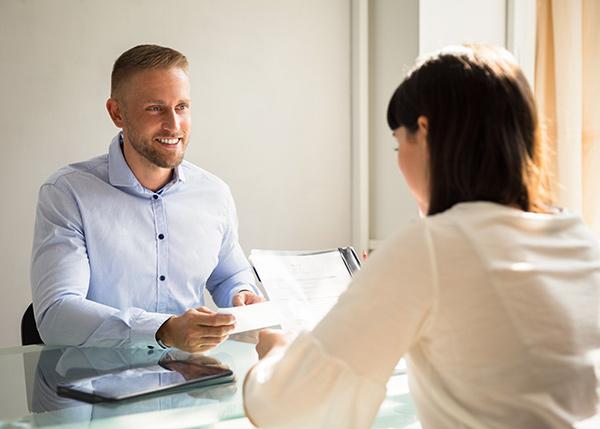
(303, 285)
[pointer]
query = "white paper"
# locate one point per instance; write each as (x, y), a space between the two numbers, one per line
(304, 285)
(254, 316)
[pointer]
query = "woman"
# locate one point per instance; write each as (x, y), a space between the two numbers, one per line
(493, 296)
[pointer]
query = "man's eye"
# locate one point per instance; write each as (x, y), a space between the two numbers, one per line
(183, 107)
(153, 109)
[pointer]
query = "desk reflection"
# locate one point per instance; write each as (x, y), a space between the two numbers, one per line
(65, 365)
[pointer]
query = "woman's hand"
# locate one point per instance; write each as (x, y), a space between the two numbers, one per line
(270, 339)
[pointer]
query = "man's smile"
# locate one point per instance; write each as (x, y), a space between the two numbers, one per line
(168, 140)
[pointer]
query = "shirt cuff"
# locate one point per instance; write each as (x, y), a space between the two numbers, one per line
(143, 330)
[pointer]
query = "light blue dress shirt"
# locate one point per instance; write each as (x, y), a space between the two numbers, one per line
(112, 261)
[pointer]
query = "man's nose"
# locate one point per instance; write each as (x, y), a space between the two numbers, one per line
(171, 120)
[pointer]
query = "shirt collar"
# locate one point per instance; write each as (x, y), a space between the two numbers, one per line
(119, 173)
(178, 175)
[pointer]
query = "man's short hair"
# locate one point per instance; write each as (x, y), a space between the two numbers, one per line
(144, 57)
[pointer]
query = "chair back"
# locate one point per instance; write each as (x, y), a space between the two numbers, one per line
(29, 330)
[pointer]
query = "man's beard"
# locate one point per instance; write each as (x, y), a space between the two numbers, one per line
(147, 149)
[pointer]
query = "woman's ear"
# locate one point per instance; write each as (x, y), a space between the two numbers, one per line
(423, 123)
(423, 128)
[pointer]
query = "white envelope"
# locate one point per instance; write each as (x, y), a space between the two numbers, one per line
(254, 316)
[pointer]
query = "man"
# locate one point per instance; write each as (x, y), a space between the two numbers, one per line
(125, 243)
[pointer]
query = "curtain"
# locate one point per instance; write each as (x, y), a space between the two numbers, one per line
(567, 91)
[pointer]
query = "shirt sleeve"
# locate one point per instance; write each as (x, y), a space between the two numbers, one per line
(60, 276)
(233, 272)
(349, 356)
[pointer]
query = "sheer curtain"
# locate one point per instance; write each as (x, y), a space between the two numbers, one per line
(567, 90)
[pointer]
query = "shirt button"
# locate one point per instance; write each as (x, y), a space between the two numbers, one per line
(155, 196)
(161, 236)
(162, 278)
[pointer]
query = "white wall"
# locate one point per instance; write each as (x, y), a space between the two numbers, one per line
(271, 111)
(456, 22)
(394, 46)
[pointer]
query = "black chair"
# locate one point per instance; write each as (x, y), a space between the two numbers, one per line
(29, 330)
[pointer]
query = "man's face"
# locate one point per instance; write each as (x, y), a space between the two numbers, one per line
(156, 119)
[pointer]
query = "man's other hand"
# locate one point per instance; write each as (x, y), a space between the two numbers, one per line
(245, 297)
(196, 330)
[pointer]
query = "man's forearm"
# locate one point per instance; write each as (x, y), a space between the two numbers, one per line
(81, 322)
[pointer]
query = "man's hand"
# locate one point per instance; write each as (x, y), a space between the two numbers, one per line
(270, 339)
(196, 330)
(245, 297)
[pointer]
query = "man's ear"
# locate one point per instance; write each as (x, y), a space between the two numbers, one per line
(115, 112)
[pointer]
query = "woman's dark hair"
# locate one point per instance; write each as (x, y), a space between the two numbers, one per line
(483, 135)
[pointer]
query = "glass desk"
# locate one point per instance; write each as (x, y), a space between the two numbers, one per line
(28, 399)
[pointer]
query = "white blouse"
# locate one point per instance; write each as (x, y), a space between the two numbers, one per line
(496, 309)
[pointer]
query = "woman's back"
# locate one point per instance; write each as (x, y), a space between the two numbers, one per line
(514, 329)
(496, 309)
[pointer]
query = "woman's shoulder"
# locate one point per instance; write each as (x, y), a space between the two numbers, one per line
(483, 225)
(496, 218)
(492, 229)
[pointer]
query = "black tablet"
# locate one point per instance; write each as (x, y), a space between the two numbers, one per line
(135, 382)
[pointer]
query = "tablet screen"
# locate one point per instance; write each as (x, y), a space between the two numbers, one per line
(133, 382)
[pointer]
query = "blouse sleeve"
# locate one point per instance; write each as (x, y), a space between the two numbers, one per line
(335, 376)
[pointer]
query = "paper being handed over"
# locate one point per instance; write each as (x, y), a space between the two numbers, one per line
(253, 316)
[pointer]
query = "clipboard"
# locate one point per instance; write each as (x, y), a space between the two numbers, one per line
(304, 284)
(348, 255)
